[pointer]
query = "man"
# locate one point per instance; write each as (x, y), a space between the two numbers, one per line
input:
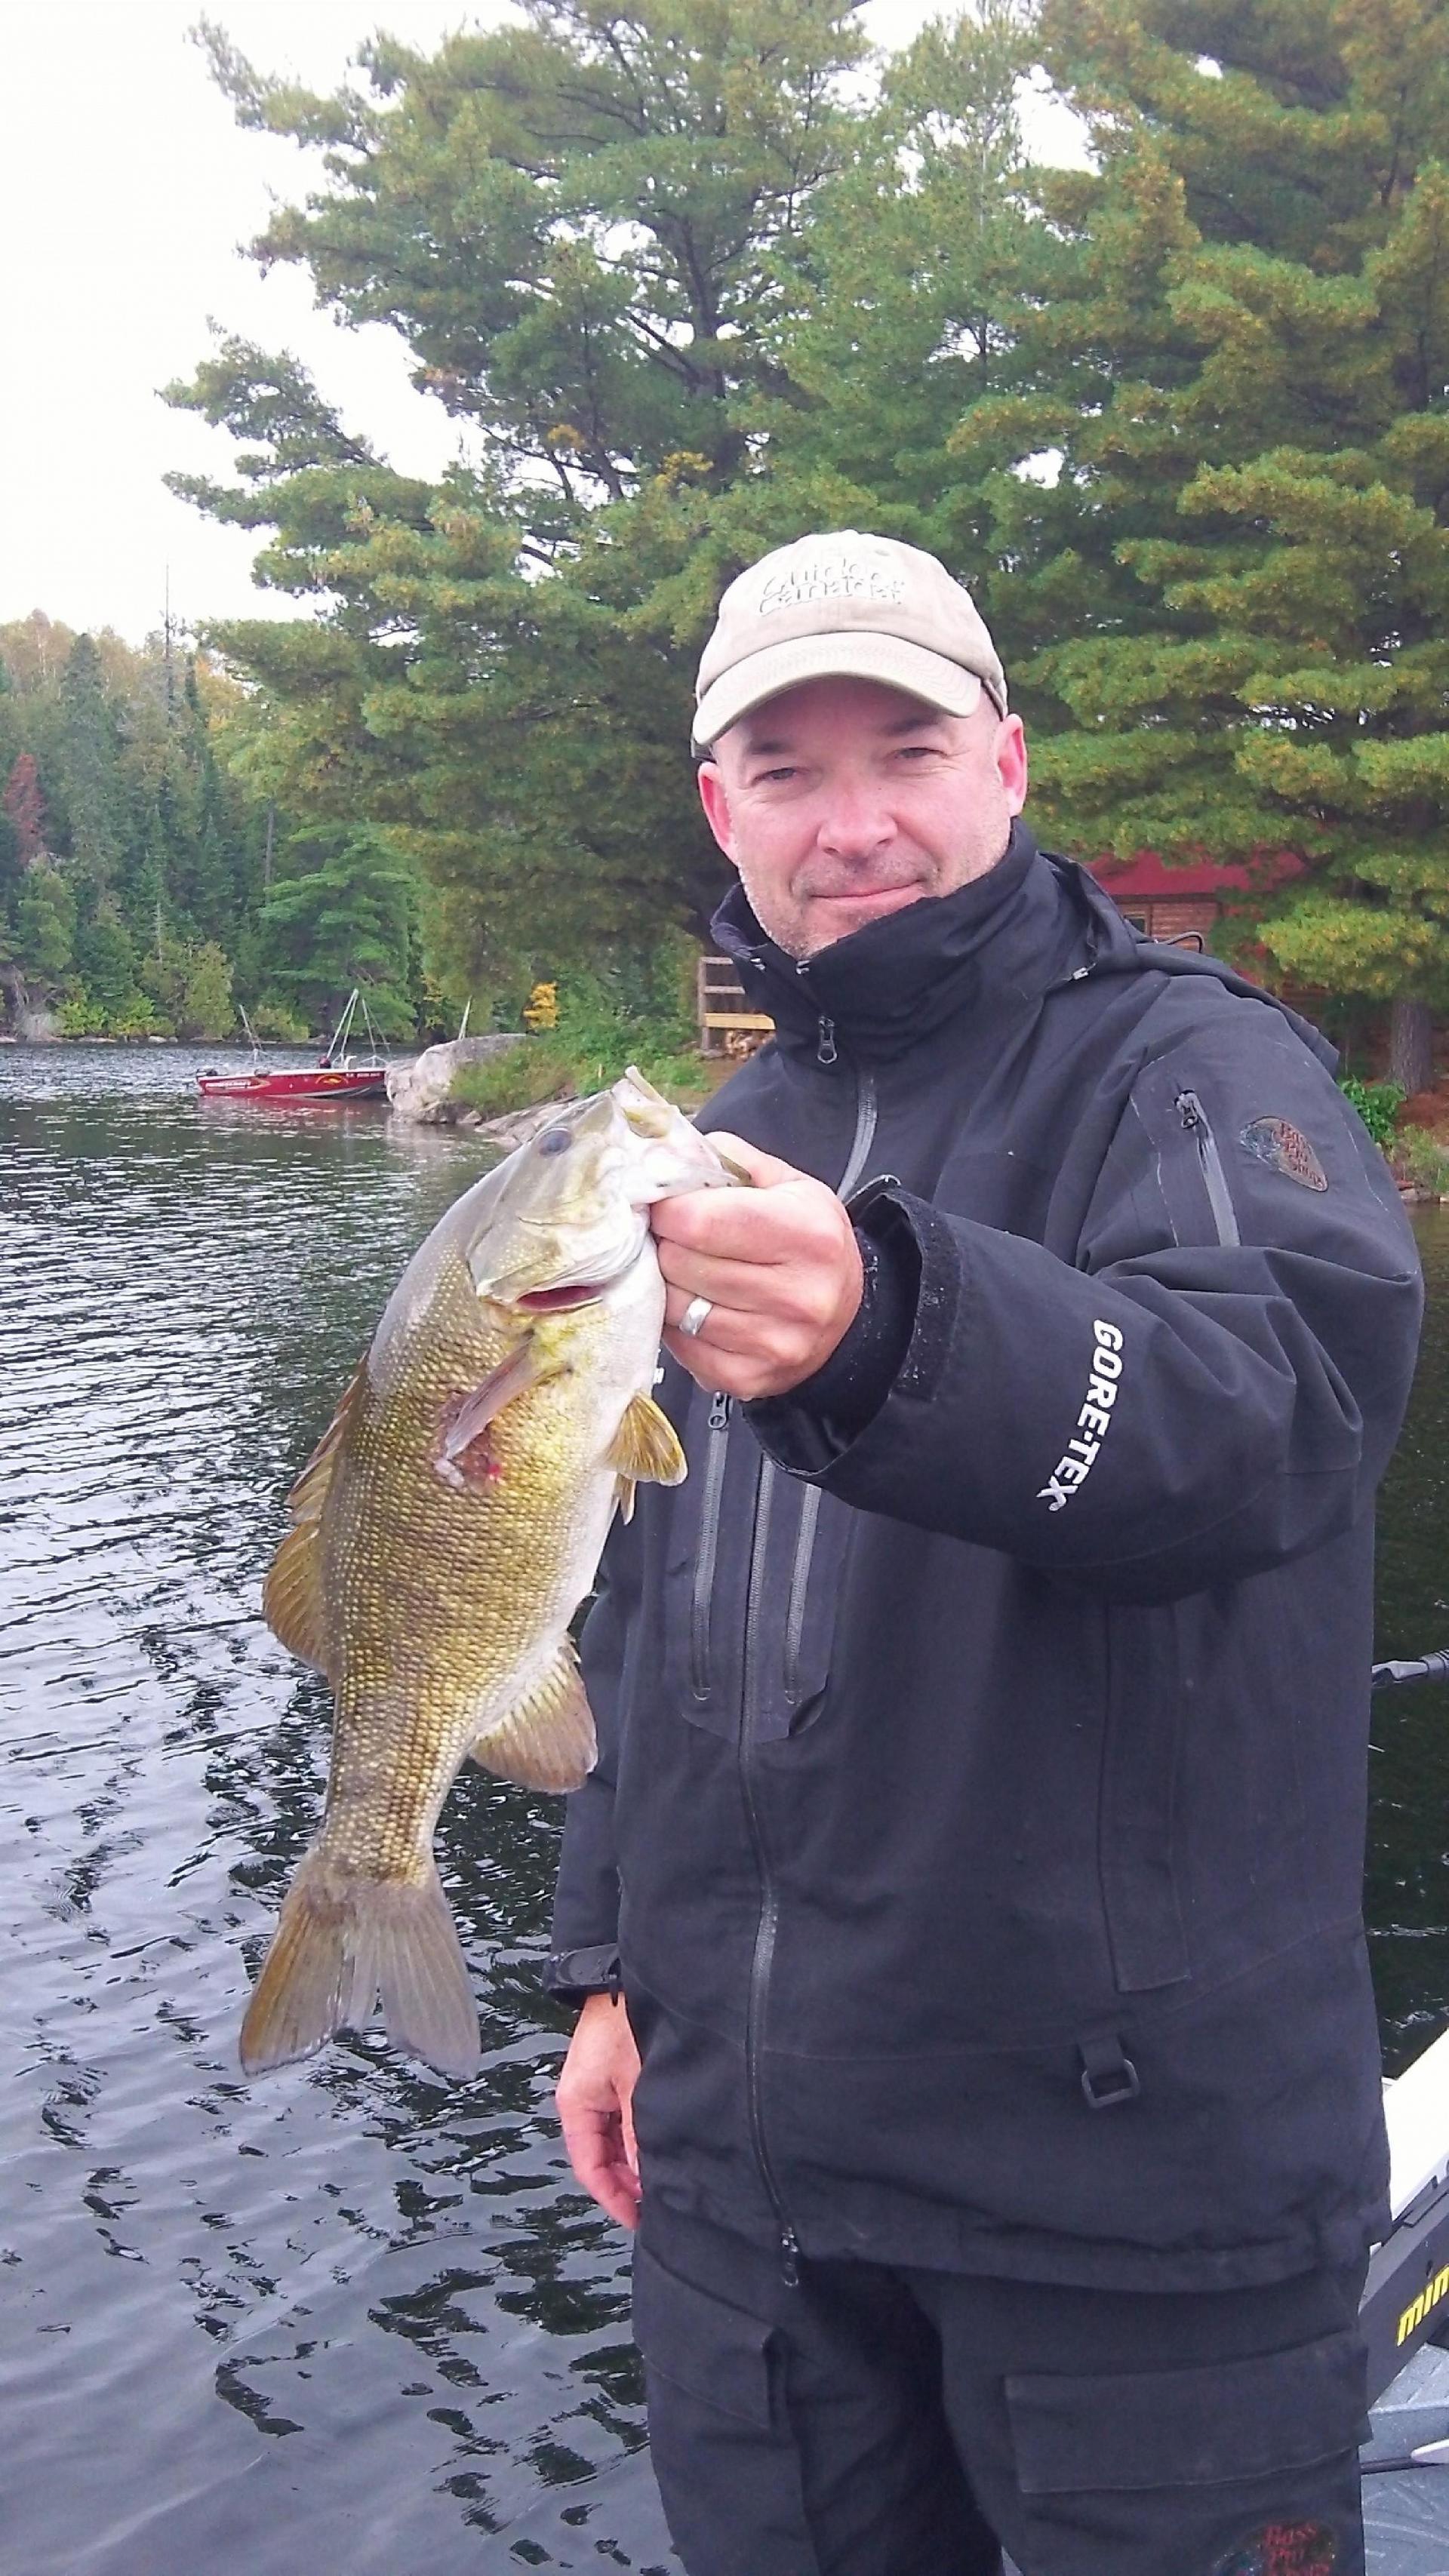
(977, 1839)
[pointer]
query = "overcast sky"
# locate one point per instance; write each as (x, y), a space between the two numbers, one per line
(126, 194)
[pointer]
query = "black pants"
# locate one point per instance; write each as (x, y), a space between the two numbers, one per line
(882, 2422)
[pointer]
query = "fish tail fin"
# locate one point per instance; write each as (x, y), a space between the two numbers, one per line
(342, 1939)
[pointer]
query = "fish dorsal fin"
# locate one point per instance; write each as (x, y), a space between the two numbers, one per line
(309, 1493)
(292, 1600)
(548, 1740)
(646, 1445)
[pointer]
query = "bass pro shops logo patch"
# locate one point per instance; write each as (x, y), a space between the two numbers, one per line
(1284, 2549)
(1285, 1148)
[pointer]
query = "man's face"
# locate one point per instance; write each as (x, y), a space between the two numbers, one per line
(843, 800)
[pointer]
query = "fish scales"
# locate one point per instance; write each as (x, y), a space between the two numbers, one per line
(444, 1532)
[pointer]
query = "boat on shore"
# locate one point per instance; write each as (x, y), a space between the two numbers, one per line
(338, 1074)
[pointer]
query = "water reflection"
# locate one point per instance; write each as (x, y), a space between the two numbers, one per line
(1408, 1885)
(355, 2316)
(413, 2321)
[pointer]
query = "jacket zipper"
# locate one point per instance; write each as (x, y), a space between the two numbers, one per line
(799, 1582)
(708, 1552)
(1220, 1198)
(763, 1958)
(860, 1145)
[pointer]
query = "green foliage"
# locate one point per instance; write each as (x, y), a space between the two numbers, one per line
(1378, 1105)
(641, 1016)
(516, 1077)
(1258, 657)
(579, 226)
(127, 846)
(108, 965)
(278, 1021)
(43, 914)
(1421, 1158)
(131, 1016)
(342, 914)
(698, 277)
(80, 1016)
(190, 986)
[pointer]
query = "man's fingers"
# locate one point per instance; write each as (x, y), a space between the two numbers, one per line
(763, 1170)
(747, 1287)
(602, 2153)
(798, 1220)
(595, 2089)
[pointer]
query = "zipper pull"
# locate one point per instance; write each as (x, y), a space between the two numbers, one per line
(1189, 1110)
(826, 1051)
(789, 2258)
(719, 1412)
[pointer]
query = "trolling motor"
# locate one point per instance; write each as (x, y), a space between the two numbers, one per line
(1406, 2295)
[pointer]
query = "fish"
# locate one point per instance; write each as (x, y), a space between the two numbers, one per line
(441, 1536)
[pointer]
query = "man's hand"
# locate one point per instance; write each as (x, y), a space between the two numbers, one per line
(595, 2106)
(779, 1264)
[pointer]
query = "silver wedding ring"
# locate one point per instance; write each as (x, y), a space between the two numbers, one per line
(692, 1319)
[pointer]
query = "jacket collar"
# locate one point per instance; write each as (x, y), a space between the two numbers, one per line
(1005, 936)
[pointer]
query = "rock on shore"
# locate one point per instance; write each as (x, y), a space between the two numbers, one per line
(420, 1090)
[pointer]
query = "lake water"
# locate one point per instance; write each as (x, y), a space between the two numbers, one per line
(350, 2318)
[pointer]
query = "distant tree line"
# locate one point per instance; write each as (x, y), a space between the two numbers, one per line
(146, 888)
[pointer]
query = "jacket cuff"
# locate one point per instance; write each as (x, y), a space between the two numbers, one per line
(575, 1974)
(808, 1429)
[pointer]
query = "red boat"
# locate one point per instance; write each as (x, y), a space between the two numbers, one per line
(337, 1075)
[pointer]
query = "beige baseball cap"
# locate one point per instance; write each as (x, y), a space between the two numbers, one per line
(846, 604)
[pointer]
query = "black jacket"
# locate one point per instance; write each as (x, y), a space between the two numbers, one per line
(980, 1816)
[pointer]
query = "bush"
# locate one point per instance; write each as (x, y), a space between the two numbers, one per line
(604, 1021)
(517, 1077)
(1421, 1159)
(278, 1021)
(80, 1017)
(1378, 1105)
(204, 1006)
(132, 1015)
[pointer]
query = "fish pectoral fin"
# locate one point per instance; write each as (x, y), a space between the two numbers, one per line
(624, 1492)
(646, 1445)
(471, 1414)
(548, 1740)
(292, 1599)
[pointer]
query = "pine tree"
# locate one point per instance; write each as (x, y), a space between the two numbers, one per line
(94, 794)
(574, 223)
(1266, 656)
(342, 913)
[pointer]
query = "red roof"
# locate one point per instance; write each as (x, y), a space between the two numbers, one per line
(1148, 876)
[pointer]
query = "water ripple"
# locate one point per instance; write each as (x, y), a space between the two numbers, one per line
(371, 2314)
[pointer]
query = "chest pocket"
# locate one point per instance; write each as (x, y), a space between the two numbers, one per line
(752, 1569)
(1197, 1174)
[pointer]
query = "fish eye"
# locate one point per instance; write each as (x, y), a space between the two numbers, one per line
(554, 1140)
